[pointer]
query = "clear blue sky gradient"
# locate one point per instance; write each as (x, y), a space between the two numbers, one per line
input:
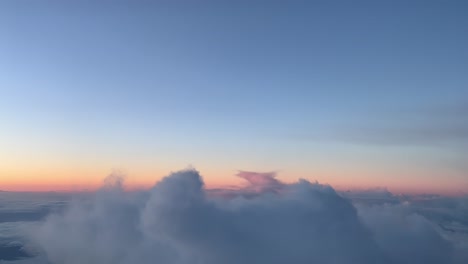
(304, 87)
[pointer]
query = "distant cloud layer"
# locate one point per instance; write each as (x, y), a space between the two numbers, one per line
(433, 125)
(178, 222)
(436, 125)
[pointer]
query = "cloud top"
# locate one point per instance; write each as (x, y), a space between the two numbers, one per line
(177, 222)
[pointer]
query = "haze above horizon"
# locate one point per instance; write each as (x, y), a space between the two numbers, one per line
(351, 95)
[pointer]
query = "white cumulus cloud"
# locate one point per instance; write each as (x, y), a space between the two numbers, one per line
(177, 222)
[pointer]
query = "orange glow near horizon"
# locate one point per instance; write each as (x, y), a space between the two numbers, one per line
(73, 183)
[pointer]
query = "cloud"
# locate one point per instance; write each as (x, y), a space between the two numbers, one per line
(437, 125)
(409, 133)
(261, 181)
(375, 196)
(27, 206)
(179, 222)
(256, 183)
(12, 251)
(405, 236)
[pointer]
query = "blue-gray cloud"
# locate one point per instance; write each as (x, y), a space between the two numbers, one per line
(178, 221)
(434, 126)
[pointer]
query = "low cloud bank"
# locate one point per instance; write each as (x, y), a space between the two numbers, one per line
(179, 222)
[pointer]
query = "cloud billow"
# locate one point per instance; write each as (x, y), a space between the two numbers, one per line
(177, 222)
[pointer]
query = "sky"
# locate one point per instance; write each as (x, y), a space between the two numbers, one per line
(353, 94)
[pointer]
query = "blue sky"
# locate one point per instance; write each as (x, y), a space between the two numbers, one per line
(322, 89)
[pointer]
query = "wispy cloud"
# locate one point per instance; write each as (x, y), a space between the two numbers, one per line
(435, 125)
